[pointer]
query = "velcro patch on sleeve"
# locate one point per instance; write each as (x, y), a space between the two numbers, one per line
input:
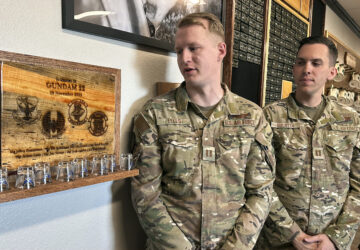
(141, 124)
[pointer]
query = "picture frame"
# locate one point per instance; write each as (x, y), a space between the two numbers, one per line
(135, 21)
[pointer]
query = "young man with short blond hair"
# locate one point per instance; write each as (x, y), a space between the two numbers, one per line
(203, 153)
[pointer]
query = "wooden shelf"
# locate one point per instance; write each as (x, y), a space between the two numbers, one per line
(56, 186)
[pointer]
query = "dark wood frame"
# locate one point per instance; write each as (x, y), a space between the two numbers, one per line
(68, 22)
(229, 15)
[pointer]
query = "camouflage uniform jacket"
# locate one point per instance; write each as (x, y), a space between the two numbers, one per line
(317, 173)
(202, 183)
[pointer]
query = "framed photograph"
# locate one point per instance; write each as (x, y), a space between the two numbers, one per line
(144, 22)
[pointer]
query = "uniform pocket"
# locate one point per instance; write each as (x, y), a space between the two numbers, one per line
(178, 135)
(234, 144)
(340, 141)
(178, 148)
(291, 156)
(339, 146)
(229, 141)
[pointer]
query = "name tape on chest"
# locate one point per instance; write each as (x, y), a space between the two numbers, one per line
(285, 125)
(239, 122)
(173, 121)
(345, 128)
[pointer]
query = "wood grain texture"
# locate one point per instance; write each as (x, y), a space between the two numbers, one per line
(305, 8)
(229, 40)
(296, 4)
(39, 116)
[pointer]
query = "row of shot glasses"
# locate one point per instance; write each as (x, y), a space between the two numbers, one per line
(28, 177)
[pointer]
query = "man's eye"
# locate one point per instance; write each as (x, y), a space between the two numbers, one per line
(178, 52)
(299, 63)
(193, 48)
(316, 64)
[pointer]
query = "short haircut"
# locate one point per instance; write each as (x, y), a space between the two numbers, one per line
(333, 52)
(214, 24)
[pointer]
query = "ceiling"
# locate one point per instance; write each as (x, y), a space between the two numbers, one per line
(352, 7)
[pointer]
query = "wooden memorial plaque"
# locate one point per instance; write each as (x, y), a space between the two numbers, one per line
(53, 110)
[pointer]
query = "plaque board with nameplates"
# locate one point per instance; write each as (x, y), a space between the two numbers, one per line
(53, 110)
(248, 31)
(286, 29)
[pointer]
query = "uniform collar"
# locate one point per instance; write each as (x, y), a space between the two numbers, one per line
(182, 99)
(331, 114)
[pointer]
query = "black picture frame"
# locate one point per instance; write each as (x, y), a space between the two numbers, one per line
(69, 22)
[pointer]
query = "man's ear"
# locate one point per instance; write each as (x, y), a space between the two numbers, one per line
(332, 73)
(222, 51)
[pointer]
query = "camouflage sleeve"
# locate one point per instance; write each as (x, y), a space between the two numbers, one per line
(283, 228)
(259, 177)
(162, 232)
(343, 231)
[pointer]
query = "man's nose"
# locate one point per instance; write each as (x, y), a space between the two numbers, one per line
(307, 68)
(185, 56)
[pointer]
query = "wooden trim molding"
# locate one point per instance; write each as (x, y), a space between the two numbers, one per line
(343, 15)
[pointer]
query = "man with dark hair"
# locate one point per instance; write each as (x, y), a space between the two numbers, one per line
(204, 154)
(333, 52)
(316, 204)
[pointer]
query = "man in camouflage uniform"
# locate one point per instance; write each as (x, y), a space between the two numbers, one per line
(204, 154)
(316, 143)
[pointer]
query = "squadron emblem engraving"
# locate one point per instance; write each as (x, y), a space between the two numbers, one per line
(53, 123)
(98, 123)
(26, 112)
(77, 112)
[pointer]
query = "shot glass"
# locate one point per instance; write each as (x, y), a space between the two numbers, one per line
(112, 159)
(65, 172)
(105, 164)
(98, 166)
(25, 178)
(83, 167)
(42, 173)
(126, 162)
(4, 184)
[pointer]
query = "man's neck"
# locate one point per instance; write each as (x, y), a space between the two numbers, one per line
(308, 100)
(207, 95)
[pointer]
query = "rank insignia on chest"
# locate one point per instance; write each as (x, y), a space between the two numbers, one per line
(208, 153)
(318, 153)
(348, 118)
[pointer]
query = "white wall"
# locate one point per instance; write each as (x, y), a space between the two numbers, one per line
(339, 29)
(93, 217)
